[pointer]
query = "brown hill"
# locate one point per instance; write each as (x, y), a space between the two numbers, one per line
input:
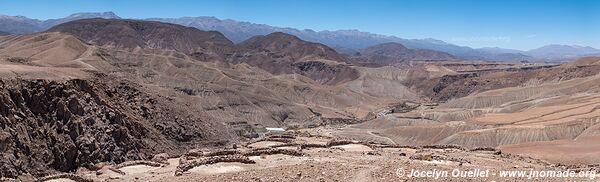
(281, 53)
(395, 53)
(49, 49)
(131, 34)
(586, 61)
(291, 46)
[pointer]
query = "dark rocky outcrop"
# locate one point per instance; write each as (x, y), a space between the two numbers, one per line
(50, 126)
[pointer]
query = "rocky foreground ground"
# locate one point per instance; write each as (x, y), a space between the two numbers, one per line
(319, 155)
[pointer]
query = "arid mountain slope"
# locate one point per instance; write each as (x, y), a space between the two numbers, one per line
(48, 56)
(545, 106)
(281, 53)
(131, 34)
(277, 53)
(50, 49)
(583, 62)
(292, 46)
(454, 86)
(396, 54)
(343, 39)
(24, 25)
(18, 24)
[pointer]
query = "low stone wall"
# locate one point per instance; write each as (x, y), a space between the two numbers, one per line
(211, 160)
(273, 152)
(73, 177)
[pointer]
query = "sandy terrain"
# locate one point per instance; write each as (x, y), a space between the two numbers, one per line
(583, 150)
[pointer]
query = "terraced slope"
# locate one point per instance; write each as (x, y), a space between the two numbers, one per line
(454, 86)
(562, 105)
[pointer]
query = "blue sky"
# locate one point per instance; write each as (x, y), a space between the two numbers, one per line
(518, 24)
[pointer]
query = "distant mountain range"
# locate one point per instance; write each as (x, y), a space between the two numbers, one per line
(344, 39)
(347, 40)
(553, 52)
(24, 25)
(562, 51)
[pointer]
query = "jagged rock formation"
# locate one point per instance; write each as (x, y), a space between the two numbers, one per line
(63, 125)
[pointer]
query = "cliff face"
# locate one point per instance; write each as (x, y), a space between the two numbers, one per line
(63, 125)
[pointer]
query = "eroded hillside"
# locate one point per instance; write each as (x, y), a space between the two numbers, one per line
(63, 125)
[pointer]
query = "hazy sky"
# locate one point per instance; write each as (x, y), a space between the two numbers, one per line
(518, 24)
